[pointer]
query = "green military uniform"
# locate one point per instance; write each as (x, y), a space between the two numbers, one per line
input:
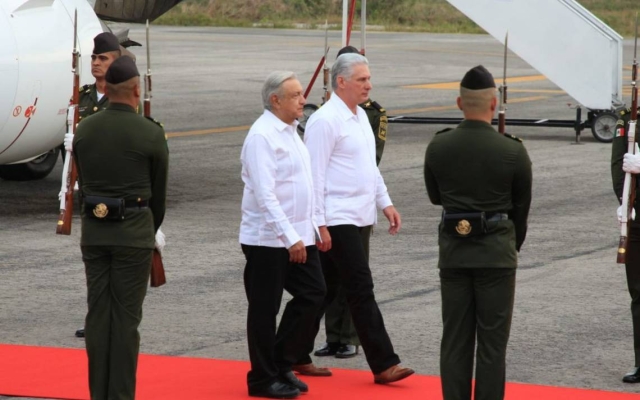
(119, 155)
(474, 168)
(483, 181)
(632, 265)
(338, 323)
(88, 104)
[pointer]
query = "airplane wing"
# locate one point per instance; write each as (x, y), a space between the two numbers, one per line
(136, 11)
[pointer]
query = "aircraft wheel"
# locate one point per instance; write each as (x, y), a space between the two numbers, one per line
(34, 169)
(307, 110)
(604, 126)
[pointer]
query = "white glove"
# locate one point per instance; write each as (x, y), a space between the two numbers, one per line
(621, 211)
(631, 163)
(68, 141)
(60, 195)
(160, 242)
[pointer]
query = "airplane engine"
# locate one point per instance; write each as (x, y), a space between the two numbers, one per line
(36, 79)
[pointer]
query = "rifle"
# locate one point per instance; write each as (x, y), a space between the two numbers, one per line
(147, 80)
(325, 69)
(157, 266)
(629, 188)
(502, 116)
(69, 171)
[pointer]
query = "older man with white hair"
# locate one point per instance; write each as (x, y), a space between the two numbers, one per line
(348, 187)
(278, 236)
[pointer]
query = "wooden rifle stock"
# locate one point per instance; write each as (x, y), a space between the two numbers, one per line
(70, 173)
(629, 188)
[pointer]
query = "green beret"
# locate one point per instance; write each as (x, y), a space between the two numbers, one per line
(478, 78)
(105, 42)
(122, 69)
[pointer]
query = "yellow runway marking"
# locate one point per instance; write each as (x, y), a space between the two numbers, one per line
(456, 85)
(209, 131)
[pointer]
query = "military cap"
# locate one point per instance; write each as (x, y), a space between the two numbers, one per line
(122, 69)
(478, 78)
(347, 49)
(105, 42)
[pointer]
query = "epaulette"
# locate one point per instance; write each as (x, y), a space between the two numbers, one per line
(86, 88)
(510, 136)
(444, 130)
(377, 106)
(155, 121)
(622, 112)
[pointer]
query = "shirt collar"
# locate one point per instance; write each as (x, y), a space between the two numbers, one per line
(343, 110)
(279, 124)
(472, 123)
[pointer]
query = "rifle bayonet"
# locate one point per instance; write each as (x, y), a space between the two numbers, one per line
(503, 90)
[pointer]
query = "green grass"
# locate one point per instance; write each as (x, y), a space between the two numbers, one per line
(397, 15)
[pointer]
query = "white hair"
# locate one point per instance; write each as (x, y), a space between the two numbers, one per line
(344, 67)
(273, 85)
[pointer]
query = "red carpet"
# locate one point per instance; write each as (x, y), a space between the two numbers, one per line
(30, 371)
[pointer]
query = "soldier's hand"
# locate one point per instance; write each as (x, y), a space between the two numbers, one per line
(631, 163)
(68, 141)
(298, 253)
(160, 240)
(621, 211)
(394, 219)
(324, 244)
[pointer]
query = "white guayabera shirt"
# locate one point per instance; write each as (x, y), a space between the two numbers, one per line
(277, 202)
(347, 181)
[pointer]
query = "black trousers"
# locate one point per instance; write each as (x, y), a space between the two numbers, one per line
(117, 280)
(632, 267)
(476, 302)
(267, 272)
(349, 267)
(337, 317)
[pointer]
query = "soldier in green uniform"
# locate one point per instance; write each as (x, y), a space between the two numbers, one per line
(482, 179)
(106, 49)
(122, 161)
(342, 338)
(622, 162)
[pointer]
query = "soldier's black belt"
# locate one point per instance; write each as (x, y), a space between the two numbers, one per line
(108, 208)
(469, 224)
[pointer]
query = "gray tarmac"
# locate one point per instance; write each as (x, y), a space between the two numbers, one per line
(571, 324)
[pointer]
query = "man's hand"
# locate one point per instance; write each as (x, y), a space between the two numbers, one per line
(324, 244)
(631, 163)
(298, 253)
(160, 242)
(394, 219)
(68, 142)
(621, 212)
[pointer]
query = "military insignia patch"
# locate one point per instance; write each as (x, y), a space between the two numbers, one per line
(155, 121)
(382, 130)
(620, 131)
(101, 210)
(463, 228)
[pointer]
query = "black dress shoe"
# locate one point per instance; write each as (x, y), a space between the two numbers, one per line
(292, 380)
(277, 390)
(633, 376)
(80, 332)
(327, 349)
(347, 351)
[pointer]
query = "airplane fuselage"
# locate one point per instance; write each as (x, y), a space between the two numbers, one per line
(35, 72)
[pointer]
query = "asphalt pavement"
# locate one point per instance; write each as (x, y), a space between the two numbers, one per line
(571, 324)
